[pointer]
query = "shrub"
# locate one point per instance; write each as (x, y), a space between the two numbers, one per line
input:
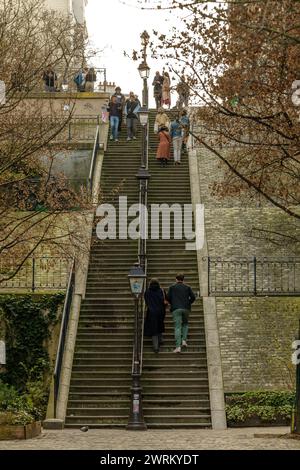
(266, 405)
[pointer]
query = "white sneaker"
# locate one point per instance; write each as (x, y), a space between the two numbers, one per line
(134, 138)
(177, 350)
(128, 138)
(116, 140)
(111, 137)
(184, 344)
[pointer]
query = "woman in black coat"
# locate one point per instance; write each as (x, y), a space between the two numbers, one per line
(155, 298)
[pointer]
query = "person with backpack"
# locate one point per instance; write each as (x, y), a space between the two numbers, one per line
(132, 107)
(156, 302)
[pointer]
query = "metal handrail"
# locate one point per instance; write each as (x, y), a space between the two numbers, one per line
(266, 276)
(62, 334)
(93, 160)
(32, 273)
(142, 244)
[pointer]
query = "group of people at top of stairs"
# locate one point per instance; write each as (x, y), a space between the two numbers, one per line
(176, 131)
(179, 298)
(162, 91)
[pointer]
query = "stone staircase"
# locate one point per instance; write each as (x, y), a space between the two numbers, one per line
(175, 386)
(101, 375)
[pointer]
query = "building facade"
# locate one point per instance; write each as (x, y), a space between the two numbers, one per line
(73, 7)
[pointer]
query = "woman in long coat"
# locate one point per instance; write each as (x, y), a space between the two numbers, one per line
(155, 298)
(164, 148)
(166, 90)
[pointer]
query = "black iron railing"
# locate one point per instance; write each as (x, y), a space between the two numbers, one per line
(253, 276)
(94, 159)
(46, 272)
(63, 333)
(82, 128)
(136, 420)
(79, 129)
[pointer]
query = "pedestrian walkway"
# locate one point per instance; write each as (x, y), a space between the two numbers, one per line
(175, 439)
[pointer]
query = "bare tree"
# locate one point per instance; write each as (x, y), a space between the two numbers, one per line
(241, 61)
(35, 206)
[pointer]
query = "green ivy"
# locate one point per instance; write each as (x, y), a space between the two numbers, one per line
(266, 405)
(28, 320)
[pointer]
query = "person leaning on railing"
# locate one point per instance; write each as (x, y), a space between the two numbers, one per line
(90, 79)
(50, 78)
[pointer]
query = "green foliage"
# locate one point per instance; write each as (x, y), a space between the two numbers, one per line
(16, 408)
(28, 320)
(266, 405)
(24, 385)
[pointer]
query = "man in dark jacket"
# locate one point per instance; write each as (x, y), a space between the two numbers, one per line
(121, 101)
(180, 296)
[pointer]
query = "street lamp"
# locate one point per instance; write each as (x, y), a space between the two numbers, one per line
(144, 69)
(137, 280)
(143, 114)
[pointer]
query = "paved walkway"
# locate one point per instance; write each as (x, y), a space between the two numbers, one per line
(202, 439)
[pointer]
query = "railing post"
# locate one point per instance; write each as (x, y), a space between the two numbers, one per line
(254, 275)
(208, 276)
(33, 274)
(104, 80)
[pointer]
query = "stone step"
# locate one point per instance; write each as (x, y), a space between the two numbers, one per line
(118, 390)
(114, 342)
(150, 382)
(107, 421)
(150, 404)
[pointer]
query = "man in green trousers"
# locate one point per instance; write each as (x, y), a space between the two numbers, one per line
(180, 296)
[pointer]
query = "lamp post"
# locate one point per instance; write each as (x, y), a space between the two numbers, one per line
(143, 177)
(144, 69)
(136, 422)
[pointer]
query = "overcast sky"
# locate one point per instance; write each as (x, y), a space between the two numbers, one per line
(115, 26)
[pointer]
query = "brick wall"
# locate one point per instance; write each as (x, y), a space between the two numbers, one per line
(256, 334)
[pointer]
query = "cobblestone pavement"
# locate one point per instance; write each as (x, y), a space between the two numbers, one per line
(189, 439)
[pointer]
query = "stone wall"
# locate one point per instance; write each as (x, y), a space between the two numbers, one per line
(256, 333)
(256, 336)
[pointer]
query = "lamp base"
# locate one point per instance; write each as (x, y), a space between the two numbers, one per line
(136, 427)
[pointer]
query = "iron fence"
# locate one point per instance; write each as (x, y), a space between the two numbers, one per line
(253, 276)
(50, 273)
(79, 129)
